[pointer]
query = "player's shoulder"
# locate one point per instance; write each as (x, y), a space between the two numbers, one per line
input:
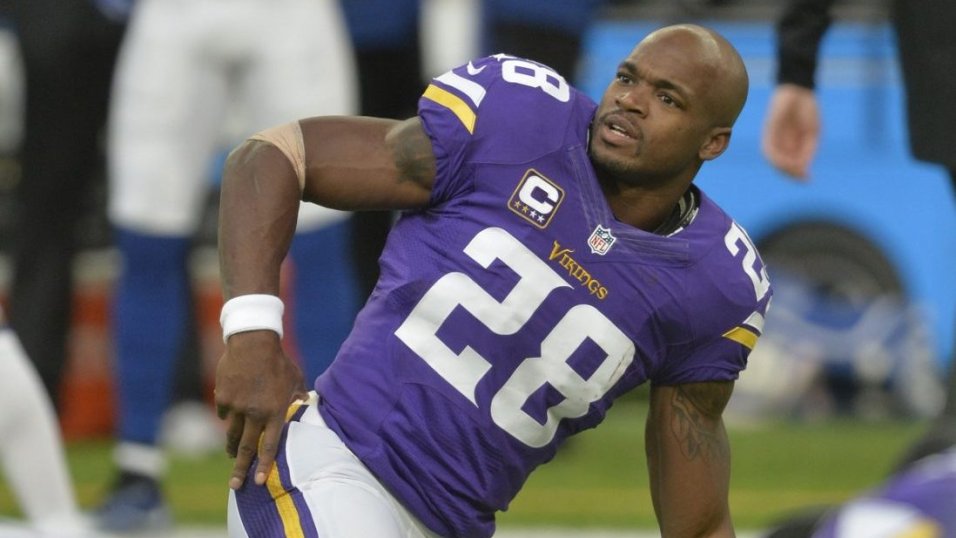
(502, 94)
(727, 259)
(517, 75)
(715, 231)
(725, 293)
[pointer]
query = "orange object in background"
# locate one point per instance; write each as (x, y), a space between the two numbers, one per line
(88, 403)
(88, 407)
(87, 395)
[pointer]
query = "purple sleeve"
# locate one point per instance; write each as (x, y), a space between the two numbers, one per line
(718, 360)
(717, 322)
(716, 345)
(449, 146)
(449, 110)
(487, 111)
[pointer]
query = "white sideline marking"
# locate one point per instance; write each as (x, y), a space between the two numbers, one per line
(537, 532)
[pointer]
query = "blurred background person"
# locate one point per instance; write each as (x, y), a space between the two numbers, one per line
(31, 450)
(84, 227)
(67, 51)
(389, 63)
(918, 495)
(547, 31)
(195, 76)
(927, 48)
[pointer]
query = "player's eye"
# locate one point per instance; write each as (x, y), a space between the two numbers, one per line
(668, 100)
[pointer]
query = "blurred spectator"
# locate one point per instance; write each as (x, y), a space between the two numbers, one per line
(67, 51)
(194, 76)
(918, 496)
(31, 450)
(546, 31)
(927, 46)
(389, 65)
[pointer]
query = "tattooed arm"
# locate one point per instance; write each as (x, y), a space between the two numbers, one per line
(688, 459)
(344, 163)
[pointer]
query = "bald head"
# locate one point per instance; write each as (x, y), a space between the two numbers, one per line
(670, 107)
(716, 61)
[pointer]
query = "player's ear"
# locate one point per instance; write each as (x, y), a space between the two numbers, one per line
(716, 142)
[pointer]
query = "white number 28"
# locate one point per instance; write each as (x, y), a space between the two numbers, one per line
(465, 370)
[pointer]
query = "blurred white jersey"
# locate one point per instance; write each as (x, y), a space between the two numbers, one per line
(196, 76)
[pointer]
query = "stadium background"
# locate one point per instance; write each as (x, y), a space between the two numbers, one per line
(863, 257)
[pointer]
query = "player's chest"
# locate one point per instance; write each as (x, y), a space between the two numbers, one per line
(543, 233)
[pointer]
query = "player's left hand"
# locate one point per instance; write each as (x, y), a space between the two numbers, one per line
(255, 384)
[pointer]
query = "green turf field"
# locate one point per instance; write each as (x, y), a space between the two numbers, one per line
(600, 479)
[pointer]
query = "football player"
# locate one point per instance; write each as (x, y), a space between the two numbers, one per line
(552, 255)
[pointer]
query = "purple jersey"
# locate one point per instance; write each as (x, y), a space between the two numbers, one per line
(918, 502)
(514, 309)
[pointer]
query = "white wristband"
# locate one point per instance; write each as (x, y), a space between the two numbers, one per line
(253, 312)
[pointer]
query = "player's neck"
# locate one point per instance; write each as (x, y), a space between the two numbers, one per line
(654, 210)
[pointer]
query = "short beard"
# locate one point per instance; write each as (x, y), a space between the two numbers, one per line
(611, 170)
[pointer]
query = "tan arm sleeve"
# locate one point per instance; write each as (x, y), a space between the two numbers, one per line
(288, 139)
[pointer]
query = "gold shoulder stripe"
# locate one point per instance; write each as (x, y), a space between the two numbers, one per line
(454, 103)
(742, 336)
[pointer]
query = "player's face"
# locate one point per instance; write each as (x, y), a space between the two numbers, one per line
(654, 116)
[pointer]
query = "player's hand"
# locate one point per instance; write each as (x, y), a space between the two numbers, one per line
(255, 383)
(792, 130)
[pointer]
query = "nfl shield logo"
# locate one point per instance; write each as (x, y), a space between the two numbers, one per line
(601, 240)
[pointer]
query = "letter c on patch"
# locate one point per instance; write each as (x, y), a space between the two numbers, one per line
(539, 194)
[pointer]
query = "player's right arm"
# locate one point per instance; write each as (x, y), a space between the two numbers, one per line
(342, 162)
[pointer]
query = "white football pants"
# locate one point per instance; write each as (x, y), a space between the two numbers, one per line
(196, 77)
(318, 488)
